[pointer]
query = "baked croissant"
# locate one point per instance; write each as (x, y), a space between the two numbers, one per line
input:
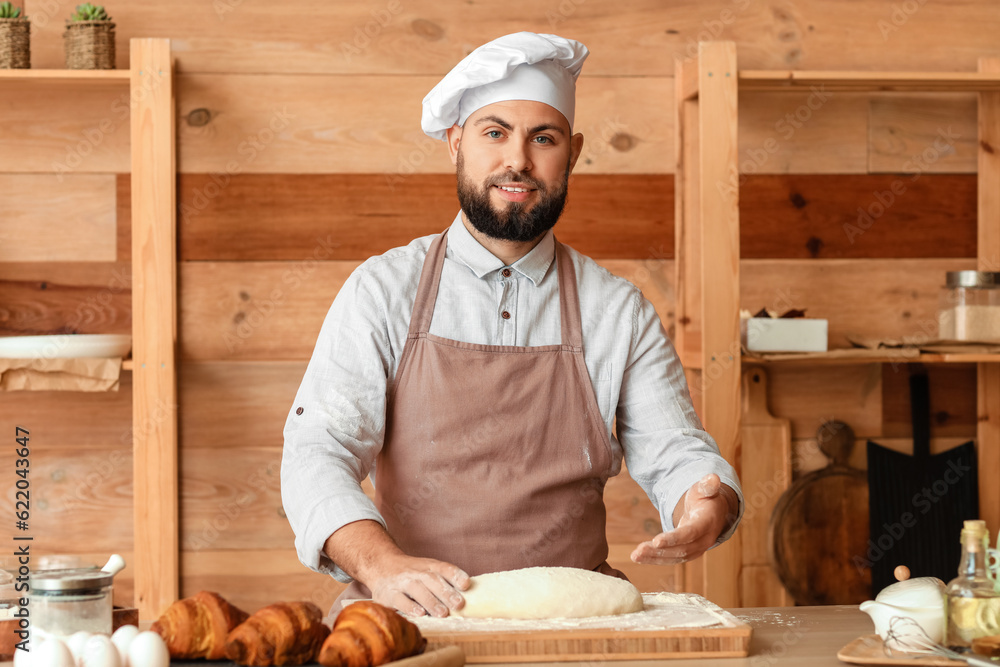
(286, 633)
(366, 634)
(197, 627)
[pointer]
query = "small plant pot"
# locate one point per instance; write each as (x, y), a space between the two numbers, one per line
(90, 45)
(15, 43)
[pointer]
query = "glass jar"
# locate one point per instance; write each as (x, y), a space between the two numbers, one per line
(67, 601)
(970, 307)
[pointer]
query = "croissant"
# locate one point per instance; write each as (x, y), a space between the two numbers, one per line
(366, 634)
(197, 627)
(286, 633)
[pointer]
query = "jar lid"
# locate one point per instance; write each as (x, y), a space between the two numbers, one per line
(76, 579)
(973, 279)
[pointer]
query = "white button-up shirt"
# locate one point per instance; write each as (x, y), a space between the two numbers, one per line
(336, 426)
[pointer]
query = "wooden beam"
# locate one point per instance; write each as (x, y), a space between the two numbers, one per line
(988, 431)
(718, 204)
(154, 327)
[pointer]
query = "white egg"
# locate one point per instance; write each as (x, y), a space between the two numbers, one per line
(122, 638)
(99, 652)
(148, 650)
(52, 652)
(76, 642)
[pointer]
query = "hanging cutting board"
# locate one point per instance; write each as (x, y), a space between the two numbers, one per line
(672, 626)
(765, 473)
(819, 529)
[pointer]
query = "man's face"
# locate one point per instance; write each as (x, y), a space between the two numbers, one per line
(513, 162)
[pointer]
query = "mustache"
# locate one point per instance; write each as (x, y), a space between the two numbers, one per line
(514, 177)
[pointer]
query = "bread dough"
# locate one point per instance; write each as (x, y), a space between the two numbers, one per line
(548, 592)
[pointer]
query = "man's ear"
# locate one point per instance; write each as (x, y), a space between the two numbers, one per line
(576, 147)
(454, 139)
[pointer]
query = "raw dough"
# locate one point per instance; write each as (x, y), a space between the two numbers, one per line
(548, 592)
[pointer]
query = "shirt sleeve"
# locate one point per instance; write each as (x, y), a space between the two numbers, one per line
(666, 448)
(336, 425)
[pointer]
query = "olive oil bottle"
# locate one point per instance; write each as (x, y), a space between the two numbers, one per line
(973, 604)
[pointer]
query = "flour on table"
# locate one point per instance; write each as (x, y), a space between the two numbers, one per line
(662, 611)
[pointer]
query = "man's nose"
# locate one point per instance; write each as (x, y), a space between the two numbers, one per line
(516, 157)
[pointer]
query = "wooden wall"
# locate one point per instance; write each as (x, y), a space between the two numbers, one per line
(300, 154)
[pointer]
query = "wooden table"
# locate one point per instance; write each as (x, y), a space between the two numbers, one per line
(782, 636)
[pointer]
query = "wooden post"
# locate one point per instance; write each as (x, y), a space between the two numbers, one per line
(718, 205)
(687, 234)
(154, 327)
(988, 429)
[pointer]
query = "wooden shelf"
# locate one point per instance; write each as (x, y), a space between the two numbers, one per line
(784, 80)
(707, 264)
(88, 76)
(843, 357)
(128, 365)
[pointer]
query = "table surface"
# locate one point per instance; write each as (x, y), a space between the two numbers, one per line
(782, 636)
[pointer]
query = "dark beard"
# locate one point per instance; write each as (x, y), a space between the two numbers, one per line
(514, 222)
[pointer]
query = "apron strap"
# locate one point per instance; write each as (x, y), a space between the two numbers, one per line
(427, 288)
(430, 279)
(569, 300)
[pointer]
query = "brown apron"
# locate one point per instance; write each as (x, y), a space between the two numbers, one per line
(495, 456)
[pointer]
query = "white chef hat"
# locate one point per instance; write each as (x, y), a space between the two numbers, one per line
(520, 66)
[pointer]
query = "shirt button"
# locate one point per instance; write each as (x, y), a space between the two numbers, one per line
(505, 315)
(505, 273)
(298, 411)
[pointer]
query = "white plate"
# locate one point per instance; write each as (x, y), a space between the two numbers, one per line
(65, 346)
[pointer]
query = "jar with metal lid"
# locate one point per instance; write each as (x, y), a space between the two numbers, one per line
(67, 601)
(970, 307)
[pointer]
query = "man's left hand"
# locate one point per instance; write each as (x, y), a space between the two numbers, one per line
(701, 515)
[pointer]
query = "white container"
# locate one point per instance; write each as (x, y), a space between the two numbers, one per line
(918, 600)
(794, 334)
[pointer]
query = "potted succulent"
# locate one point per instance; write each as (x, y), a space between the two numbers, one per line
(90, 38)
(15, 33)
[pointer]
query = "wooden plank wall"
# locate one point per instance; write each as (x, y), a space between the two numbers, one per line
(300, 155)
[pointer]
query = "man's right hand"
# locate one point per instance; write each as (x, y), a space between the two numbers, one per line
(414, 586)
(418, 586)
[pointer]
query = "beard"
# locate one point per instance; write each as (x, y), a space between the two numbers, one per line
(513, 221)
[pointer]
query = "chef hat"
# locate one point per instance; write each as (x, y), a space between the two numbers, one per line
(520, 66)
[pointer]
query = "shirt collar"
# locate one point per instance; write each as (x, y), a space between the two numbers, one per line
(481, 261)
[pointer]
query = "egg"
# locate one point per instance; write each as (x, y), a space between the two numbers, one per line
(148, 650)
(76, 642)
(122, 638)
(99, 652)
(52, 652)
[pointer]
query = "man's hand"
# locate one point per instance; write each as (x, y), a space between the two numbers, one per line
(414, 586)
(701, 515)
(418, 586)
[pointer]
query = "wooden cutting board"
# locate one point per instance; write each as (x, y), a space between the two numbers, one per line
(655, 633)
(765, 473)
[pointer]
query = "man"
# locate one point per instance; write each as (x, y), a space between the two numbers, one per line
(476, 374)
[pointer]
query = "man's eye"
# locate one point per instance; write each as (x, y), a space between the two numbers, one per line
(543, 140)
(494, 134)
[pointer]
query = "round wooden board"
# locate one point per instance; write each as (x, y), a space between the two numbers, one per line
(819, 533)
